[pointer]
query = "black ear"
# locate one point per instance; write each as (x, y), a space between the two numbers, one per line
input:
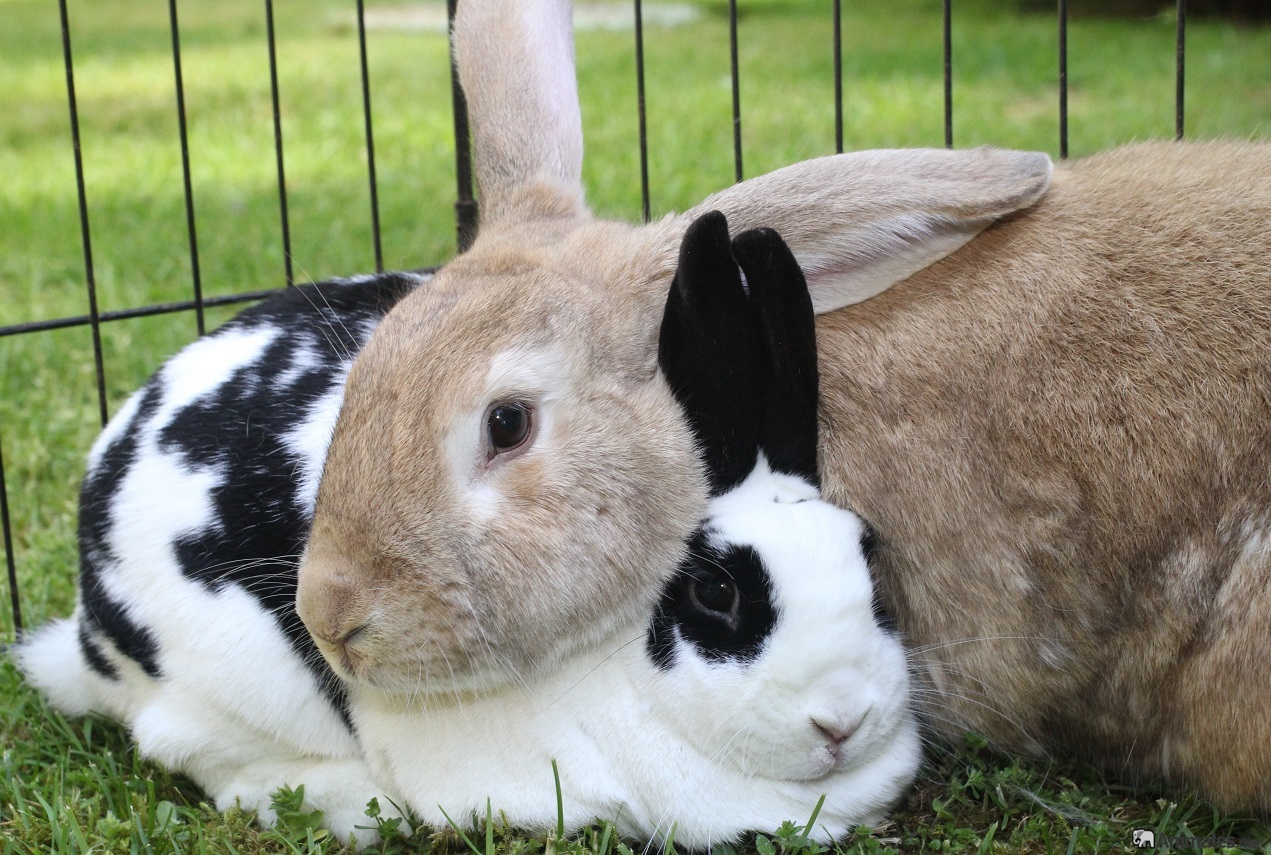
(779, 295)
(709, 351)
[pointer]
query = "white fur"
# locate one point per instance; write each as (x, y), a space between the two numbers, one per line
(709, 749)
(309, 441)
(51, 659)
(115, 428)
(206, 365)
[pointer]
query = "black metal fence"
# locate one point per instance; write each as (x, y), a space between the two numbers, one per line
(465, 204)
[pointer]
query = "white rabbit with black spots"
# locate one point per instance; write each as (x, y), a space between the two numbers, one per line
(193, 513)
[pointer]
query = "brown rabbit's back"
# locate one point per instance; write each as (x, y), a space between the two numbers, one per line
(1062, 433)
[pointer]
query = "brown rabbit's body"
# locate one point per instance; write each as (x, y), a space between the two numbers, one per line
(1062, 433)
(1057, 421)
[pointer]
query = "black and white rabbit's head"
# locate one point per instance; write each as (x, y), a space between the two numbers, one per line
(769, 632)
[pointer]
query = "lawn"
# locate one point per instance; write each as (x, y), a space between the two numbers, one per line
(78, 786)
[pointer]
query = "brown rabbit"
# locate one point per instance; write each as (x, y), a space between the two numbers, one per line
(1057, 421)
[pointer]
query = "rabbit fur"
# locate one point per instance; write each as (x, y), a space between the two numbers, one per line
(698, 722)
(196, 502)
(1046, 389)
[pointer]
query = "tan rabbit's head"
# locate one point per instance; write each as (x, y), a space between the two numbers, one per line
(510, 477)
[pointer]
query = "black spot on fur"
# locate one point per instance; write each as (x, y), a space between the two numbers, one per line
(105, 615)
(101, 614)
(93, 654)
(740, 637)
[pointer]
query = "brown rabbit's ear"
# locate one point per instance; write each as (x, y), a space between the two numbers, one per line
(516, 64)
(859, 223)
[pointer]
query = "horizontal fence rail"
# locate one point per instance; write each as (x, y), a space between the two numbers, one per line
(465, 203)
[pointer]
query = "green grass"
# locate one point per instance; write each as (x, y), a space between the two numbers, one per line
(78, 786)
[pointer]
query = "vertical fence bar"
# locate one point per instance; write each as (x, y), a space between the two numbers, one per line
(838, 76)
(185, 167)
(736, 75)
(8, 551)
(466, 213)
(644, 132)
(282, 176)
(1063, 79)
(85, 236)
(370, 138)
(948, 73)
(1180, 52)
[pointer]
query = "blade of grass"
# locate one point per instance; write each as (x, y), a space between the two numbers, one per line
(462, 834)
(816, 811)
(489, 828)
(560, 803)
(987, 842)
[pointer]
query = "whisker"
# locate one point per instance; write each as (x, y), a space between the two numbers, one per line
(597, 666)
(344, 346)
(944, 645)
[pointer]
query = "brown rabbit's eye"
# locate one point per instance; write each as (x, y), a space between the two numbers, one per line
(716, 594)
(508, 426)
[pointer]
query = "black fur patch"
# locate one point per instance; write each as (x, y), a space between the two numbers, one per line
(100, 613)
(109, 617)
(742, 364)
(787, 331)
(94, 656)
(738, 637)
(707, 349)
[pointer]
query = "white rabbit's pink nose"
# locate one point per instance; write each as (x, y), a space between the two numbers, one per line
(836, 730)
(834, 733)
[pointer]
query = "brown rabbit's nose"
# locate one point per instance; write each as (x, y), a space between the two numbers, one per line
(337, 639)
(341, 648)
(332, 609)
(329, 617)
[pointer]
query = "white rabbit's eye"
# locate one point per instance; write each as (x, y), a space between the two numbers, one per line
(715, 594)
(508, 426)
